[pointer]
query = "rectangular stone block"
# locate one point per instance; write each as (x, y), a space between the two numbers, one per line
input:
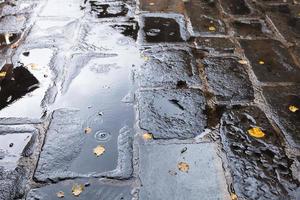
(215, 46)
(181, 171)
(167, 67)
(228, 79)
(172, 113)
(271, 61)
(236, 7)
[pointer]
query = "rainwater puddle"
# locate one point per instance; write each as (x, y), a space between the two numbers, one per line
(97, 87)
(236, 7)
(12, 147)
(129, 30)
(162, 6)
(24, 86)
(159, 29)
(102, 10)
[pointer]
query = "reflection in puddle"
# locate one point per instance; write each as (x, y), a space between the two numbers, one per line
(108, 10)
(8, 39)
(24, 87)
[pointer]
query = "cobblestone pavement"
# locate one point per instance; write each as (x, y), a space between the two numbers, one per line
(150, 100)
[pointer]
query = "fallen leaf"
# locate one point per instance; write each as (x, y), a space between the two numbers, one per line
(60, 194)
(256, 132)
(212, 28)
(243, 62)
(147, 136)
(293, 108)
(233, 196)
(99, 150)
(2, 74)
(183, 166)
(87, 130)
(261, 62)
(151, 4)
(77, 189)
(32, 66)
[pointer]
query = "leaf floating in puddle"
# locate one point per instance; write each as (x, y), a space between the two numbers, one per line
(87, 130)
(60, 194)
(2, 74)
(77, 189)
(233, 196)
(256, 132)
(243, 62)
(212, 28)
(261, 62)
(147, 136)
(183, 166)
(293, 108)
(33, 66)
(99, 150)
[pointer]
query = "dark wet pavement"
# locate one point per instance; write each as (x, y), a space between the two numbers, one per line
(122, 97)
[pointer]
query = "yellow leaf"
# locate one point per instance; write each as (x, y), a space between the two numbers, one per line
(77, 189)
(212, 28)
(233, 196)
(32, 66)
(183, 166)
(293, 108)
(99, 150)
(147, 136)
(261, 62)
(256, 132)
(243, 62)
(87, 130)
(2, 74)
(60, 194)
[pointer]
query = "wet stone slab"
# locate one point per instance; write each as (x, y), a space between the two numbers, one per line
(108, 10)
(166, 67)
(161, 178)
(228, 79)
(286, 19)
(162, 6)
(161, 29)
(280, 99)
(251, 29)
(8, 39)
(236, 7)
(259, 166)
(271, 61)
(17, 7)
(172, 113)
(93, 190)
(205, 18)
(58, 8)
(215, 45)
(15, 144)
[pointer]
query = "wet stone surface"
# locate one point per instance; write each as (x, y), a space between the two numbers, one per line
(256, 164)
(205, 18)
(215, 45)
(161, 178)
(228, 79)
(236, 7)
(107, 10)
(280, 99)
(172, 113)
(161, 29)
(18, 22)
(165, 67)
(251, 29)
(93, 190)
(162, 6)
(271, 61)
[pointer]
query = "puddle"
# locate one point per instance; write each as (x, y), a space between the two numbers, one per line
(236, 7)
(250, 29)
(102, 10)
(158, 29)
(93, 190)
(96, 86)
(260, 167)
(8, 39)
(12, 147)
(129, 30)
(26, 87)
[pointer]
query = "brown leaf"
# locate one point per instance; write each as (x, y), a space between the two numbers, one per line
(99, 150)
(60, 194)
(87, 130)
(183, 166)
